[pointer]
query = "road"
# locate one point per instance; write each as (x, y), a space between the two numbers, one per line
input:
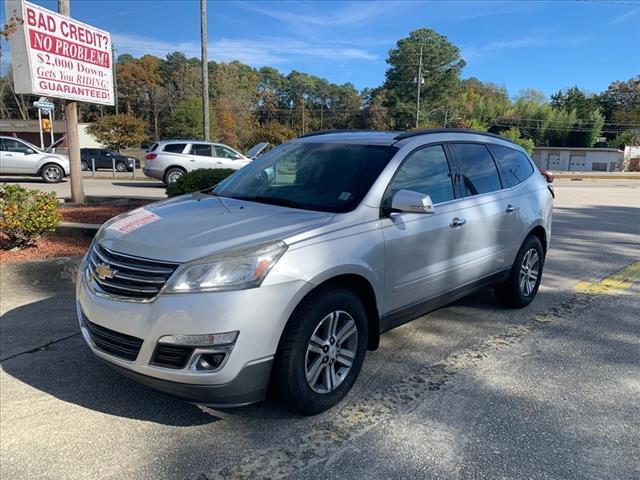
(470, 391)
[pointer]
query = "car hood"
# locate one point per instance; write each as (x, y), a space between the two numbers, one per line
(197, 225)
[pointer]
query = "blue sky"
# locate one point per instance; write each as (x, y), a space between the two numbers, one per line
(517, 44)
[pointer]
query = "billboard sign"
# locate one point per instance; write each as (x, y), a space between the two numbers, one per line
(56, 56)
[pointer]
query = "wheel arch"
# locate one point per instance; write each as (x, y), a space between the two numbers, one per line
(363, 288)
(47, 160)
(541, 233)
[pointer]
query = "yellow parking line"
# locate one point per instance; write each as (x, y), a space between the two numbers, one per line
(616, 283)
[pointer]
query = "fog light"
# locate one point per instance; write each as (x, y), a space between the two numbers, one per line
(206, 340)
(209, 361)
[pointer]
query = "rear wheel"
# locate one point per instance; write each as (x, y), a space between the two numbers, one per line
(52, 173)
(121, 167)
(321, 351)
(172, 174)
(521, 287)
(84, 165)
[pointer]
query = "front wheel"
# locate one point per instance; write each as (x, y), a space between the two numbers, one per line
(521, 287)
(321, 351)
(52, 173)
(84, 165)
(121, 167)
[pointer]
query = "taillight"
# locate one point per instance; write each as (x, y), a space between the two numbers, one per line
(150, 156)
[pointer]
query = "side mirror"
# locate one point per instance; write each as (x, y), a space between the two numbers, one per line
(28, 151)
(408, 201)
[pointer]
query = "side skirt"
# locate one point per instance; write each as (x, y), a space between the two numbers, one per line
(406, 314)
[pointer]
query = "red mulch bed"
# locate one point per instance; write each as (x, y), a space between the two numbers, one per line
(50, 246)
(96, 213)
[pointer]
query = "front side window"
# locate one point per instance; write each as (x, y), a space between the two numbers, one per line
(11, 145)
(201, 149)
(515, 164)
(174, 147)
(224, 152)
(477, 169)
(328, 177)
(425, 171)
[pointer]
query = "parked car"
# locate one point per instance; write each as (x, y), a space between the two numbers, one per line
(284, 280)
(168, 160)
(105, 158)
(257, 150)
(19, 157)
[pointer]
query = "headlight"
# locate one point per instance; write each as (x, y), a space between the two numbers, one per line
(236, 270)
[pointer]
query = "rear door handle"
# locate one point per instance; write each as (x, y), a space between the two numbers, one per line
(510, 209)
(457, 222)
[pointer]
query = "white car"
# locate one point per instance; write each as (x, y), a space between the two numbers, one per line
(19, 157)
(168, 160)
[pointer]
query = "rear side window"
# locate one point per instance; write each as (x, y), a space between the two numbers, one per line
(478, 172)
(514, 164)
(426, 171)
(174, 147)
(201, 150)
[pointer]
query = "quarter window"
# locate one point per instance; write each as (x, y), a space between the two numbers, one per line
(201, 150)
(515, 164)
(174, 147)
(426, 171)
(478, 172)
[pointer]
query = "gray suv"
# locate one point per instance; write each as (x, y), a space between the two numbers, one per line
(281, 277)
(168, 160)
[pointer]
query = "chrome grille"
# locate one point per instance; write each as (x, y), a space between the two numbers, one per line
(118, 275)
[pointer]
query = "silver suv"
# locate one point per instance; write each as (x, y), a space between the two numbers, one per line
(282, 276)
(169, 159)
(19, 157)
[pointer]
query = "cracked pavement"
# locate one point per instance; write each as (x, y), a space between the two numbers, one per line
(470, 391)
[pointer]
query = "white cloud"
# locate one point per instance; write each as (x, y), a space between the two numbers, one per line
(326, 16)
(268, 51)
(625, 16)
(534, 41)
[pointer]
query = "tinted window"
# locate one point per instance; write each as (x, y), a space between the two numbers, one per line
(478, 172)
(153, 147)
(426, 171)
(10, 145)
(515, 164)
(225, 152)
(174, 147)
(202, 150)
(329, 177)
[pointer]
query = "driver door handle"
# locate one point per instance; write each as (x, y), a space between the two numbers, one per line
(510, 209)
(457, 222)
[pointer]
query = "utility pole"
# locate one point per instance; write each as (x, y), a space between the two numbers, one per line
(115, 78)
(73, 141)
(419, 82)
(205, 70)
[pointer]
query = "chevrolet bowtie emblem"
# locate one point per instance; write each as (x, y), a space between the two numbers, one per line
(103, 271)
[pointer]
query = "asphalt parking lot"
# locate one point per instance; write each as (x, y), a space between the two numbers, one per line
(470, 391)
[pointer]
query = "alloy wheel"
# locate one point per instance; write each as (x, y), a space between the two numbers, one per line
(529, 271)
(331, 351)
(52, 174)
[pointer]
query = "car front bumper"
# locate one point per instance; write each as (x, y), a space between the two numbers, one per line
(259, 315)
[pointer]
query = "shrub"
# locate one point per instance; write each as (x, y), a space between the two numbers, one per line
(514, 135)
(26, 214)
(197, 180)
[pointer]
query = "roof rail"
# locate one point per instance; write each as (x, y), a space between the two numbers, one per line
(415, 133)
(343, 130)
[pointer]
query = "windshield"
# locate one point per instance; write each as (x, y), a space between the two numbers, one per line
(328, 177)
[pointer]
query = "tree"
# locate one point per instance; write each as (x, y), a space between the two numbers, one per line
(627, 138)
(118, 131)
(186, 119)
(376, 115)
(441, 67)
(514, 135)
(621, 101)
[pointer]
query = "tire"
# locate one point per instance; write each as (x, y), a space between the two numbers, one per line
(52, 173)
(521, 288)
(84, 166)
(121, 167)
(172, 174)
(298, 356)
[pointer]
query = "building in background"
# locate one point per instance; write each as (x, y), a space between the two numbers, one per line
(28, 130)
(578, 159)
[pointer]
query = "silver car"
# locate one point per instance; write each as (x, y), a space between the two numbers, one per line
(19, 157)
(168, 160)
(281, 277)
